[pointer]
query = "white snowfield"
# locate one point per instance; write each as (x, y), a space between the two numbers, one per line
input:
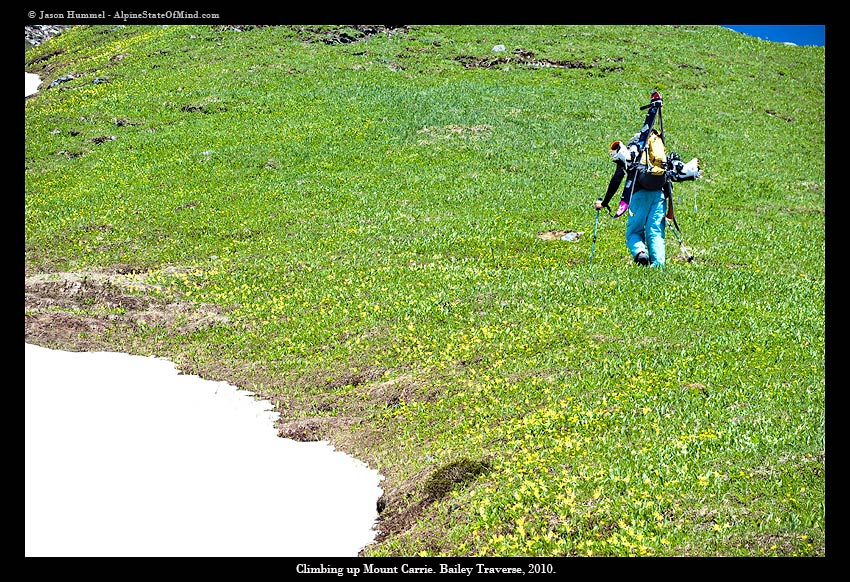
(31, 83)
(127, 457)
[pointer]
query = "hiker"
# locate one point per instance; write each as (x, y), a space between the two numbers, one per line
(648, 192)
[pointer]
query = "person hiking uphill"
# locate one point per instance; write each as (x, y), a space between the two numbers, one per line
(648, 193)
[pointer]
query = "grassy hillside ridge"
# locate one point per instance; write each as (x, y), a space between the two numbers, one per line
(344, 220)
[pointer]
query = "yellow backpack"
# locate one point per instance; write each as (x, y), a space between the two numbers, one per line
(652, 165)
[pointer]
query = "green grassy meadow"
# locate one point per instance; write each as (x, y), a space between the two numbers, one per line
(362, 207)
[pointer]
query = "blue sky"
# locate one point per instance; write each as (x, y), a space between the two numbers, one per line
(801, 34)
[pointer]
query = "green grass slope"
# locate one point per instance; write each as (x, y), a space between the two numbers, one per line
(344, 220)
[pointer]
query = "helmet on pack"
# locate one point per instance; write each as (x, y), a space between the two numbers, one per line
(620, 153)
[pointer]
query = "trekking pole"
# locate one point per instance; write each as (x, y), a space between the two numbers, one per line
(688, 256)
(593, 245)
(695, 197)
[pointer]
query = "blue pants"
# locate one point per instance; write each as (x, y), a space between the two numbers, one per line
(645, 227)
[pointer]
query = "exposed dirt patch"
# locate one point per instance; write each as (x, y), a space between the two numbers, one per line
(332, 408)
(455, 474)
(42, 58)
(314, 428)
(696, 387)
(519, 57)
(396, 391)
(354, 33)
(401, 507)
(356, 377)
(74, 310)
(567, 235)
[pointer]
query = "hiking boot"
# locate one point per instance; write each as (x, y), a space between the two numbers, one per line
(642, 258)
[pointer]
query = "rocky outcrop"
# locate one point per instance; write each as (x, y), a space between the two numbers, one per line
(37, 34)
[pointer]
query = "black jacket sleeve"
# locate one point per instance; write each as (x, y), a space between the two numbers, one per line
(614, 184)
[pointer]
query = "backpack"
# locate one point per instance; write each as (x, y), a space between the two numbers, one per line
(652, 165)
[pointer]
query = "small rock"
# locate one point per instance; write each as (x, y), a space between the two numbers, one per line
(571, 236)
(63, 79)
